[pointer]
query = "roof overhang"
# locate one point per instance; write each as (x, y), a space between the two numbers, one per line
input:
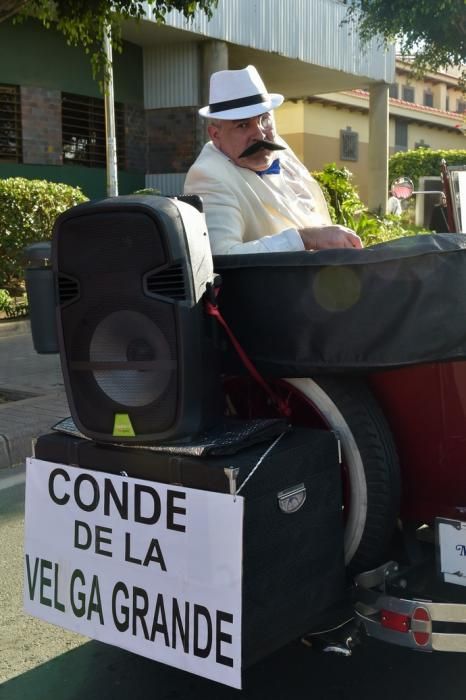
(304, 49)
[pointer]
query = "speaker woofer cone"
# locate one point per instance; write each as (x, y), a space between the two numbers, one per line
(130, 359)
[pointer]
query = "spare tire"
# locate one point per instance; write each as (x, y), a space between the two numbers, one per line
(371, 475)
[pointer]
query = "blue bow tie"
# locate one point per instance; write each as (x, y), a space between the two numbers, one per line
(273, 169)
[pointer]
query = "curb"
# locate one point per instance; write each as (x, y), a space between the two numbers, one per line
(12, 477)
(23, 421)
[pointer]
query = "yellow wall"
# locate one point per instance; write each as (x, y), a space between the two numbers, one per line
(435, 138)
(440, 91)
(313, 132)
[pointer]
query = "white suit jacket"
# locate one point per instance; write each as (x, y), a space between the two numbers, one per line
(247, 213)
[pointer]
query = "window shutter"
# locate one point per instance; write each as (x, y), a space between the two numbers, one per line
(10, 124)
(349, 143)
(83, 129)
(408, 93)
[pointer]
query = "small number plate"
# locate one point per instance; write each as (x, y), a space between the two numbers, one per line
(451, 540)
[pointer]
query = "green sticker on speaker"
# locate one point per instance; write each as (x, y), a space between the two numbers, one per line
(122, 426)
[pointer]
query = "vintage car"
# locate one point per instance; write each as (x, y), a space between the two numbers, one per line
(368, 345)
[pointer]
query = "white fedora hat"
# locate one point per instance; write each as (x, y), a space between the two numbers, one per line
(238, 94)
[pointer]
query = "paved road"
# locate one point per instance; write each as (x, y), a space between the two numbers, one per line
(21, 368)
(23, 374)
(42, 662)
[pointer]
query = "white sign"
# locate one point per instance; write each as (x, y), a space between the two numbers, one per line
(452, 545)
(148, 567)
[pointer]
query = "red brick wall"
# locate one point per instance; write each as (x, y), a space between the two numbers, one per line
(41, 125)
(174, 139)
(156, 141)
(135, 138)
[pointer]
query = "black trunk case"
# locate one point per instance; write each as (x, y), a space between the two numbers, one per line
(293, 568)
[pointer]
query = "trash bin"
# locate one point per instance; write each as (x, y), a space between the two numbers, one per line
(40, 288)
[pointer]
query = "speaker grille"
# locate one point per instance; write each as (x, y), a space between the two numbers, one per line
(169, 282)
(123, 361)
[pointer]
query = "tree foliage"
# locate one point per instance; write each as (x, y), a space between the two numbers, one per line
(84, 22)
(432, 31)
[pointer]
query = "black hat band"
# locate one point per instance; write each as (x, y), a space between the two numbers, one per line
(240, 102)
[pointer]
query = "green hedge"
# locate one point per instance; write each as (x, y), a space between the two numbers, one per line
(422, 162)
(28, 209)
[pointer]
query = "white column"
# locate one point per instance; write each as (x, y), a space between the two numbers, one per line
(378, 148)
(110, 128)
(214, 58)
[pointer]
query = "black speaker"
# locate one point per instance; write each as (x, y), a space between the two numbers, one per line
(136, 348)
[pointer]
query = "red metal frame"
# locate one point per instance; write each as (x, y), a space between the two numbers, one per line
(425, 407)
(446, 182)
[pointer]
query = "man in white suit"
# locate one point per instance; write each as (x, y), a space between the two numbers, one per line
(254, 201)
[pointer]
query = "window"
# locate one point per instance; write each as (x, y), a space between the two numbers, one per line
(447, 103)
(83, 127)
(428, 98)
(401, 135)
(348, 144)
(393, 90)
(421, 144)
(10, 124)
(460, 106)
(407, 93)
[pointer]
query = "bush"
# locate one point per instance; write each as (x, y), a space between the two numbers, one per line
(347, 209)
(422, 162)
(5, 300)
(341, 195)
(28, 209)
(12, 308)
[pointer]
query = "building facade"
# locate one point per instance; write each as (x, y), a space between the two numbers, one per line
(335, 127)
(51, 109)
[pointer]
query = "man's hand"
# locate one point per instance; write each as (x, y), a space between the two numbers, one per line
(332, 236)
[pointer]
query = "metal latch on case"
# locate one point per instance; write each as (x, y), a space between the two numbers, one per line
(232, 474)
(290, 500)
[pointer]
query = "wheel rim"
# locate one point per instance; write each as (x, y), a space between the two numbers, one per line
(304, 394)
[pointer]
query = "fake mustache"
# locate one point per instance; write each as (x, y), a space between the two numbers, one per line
(259, 145)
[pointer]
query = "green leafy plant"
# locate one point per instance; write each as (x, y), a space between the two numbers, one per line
(28, 209)
(341, 194)
(347, 209)
(5, 300)
(147, 190)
